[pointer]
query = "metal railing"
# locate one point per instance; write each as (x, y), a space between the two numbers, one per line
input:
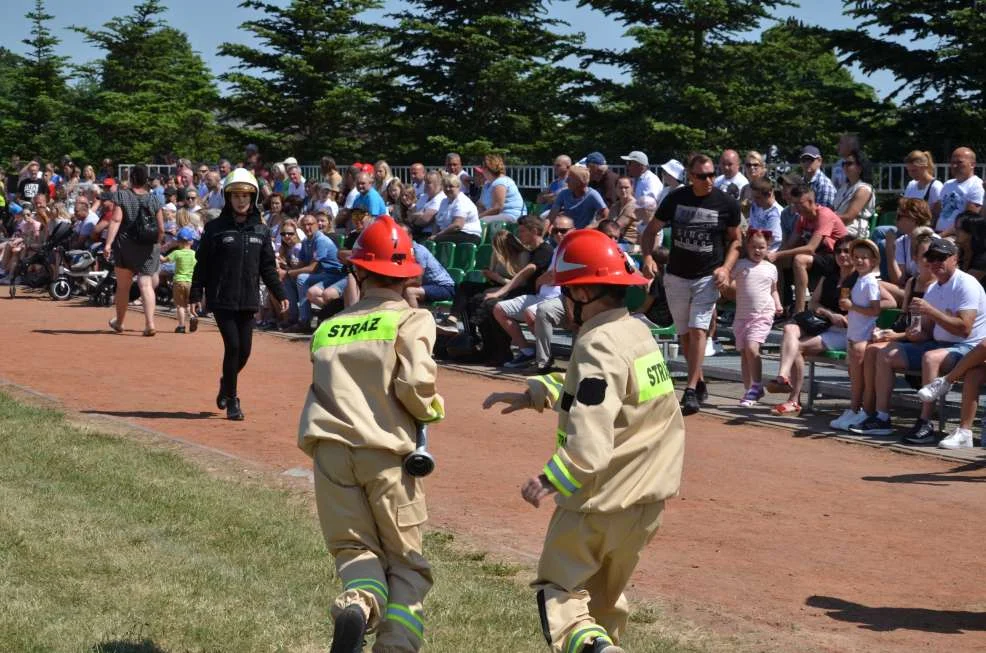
(888, 178)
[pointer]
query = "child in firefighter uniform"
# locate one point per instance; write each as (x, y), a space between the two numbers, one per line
(373, 381)
(620, 443)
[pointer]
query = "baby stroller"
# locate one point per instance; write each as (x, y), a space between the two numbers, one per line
(34, 271)
(104, 294)
(77, 274)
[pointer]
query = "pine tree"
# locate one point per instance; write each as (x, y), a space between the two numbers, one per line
(310, 81)
(486, 75)
(155, 94)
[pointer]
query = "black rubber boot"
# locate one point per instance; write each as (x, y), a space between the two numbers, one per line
(221, 397)
(601, 646)
(349, 631)
(233, 411)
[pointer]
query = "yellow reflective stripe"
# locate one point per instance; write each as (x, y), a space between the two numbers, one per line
(436, 412)
(347, 329)
(403, 615)
(561, 437)
(577, 640)
(653, 377)
(560, 477)
(553, 383)
(370, 585)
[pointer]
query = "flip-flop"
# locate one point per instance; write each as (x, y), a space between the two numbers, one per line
(149, 333)
(115, 325)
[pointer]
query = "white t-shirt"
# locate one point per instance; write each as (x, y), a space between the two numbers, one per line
(955, 195)
(547, 291)
(960, 293)
(647, 184)
(768, 220)
(462, 207)
(930, 193)
(426, 203)
(739, 179)
(865, 291)
(908, 266)
(328, 205)
(351, 197)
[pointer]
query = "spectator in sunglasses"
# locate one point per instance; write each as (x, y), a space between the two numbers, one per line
(765, 212)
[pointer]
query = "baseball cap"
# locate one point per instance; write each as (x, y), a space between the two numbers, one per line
(368, 168)
(595, 158)
(941, 247)
(810, 151)
(15, 208)
(188, 234)
(674, 168)
(325, 186)
(638, 157)
(251, 147)
(290, 161)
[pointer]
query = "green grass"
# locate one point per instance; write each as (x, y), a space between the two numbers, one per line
(111, 545)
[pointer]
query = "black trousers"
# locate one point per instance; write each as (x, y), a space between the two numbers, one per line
(236, 328)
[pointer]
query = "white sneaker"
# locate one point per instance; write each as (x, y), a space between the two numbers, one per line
(844, 421)
(935, 389)
(960, 439)
(710, 347)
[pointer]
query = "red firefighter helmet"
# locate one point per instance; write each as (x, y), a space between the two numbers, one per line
(587, 256)
(385, 248)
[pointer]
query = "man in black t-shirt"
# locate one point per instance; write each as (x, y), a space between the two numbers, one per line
(705, 244)
(30, 185)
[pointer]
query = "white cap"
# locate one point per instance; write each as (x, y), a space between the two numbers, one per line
(290, 161)
(637, 156)
(674, 168)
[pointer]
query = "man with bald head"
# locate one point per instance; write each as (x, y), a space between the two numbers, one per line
(963, 192)
(730, 179)
(562, 163)
(418, 181)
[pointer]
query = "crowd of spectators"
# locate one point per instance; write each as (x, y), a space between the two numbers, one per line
(798, 252)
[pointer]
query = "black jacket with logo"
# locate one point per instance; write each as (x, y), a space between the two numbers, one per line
(231, 260)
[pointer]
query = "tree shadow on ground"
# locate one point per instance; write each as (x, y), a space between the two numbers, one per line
(884, 619)
(153, 414)
(127, 646)
(953, 475)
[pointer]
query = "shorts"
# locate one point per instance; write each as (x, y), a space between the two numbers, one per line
(180, 291)
(914, 351)
(834, 339)
(139, 259)
(755, 328)
(691, 301)
(340, 285)
(516, 307)
(168, 268)
(824, 263)
(437, 293)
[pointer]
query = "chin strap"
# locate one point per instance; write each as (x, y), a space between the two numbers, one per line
(577, 305)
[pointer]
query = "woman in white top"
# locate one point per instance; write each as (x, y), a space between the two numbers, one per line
(924, 185)
(457, 219)
(856, 202)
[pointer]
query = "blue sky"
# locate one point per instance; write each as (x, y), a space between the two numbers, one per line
(212, 22)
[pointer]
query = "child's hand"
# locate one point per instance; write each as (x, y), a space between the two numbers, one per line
(778, 310)
(845, 304)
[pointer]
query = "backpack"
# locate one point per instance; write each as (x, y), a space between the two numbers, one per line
(143, 228)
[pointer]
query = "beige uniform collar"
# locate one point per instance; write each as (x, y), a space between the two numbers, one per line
(384, 293)
(611, 315)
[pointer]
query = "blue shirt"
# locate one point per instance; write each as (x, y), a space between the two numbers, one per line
(582, 210)
(371, 202)
(513, 203)
(434, 273)
(824, 189)
(321, 248)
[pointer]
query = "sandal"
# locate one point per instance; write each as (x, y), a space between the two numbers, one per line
(149, 333)
(115, 325)
(752, 396)
(779, 385)
(787, 409)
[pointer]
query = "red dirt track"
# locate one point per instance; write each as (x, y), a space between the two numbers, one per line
(790, 544)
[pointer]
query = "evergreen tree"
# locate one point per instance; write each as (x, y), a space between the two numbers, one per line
(936, 52)
(155, 94)
(310, 83)
(483, 76)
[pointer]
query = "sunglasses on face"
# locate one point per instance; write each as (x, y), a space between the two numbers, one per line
(287, 233)
(847, 164)
(753, 165)
(704, 176)
(560, 231)
(935, 258)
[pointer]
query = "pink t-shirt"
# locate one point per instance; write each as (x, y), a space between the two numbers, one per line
(754, 282)
(828, 223)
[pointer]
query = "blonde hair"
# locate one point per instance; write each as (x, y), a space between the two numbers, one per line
(494, 164)
(919, 237)
(921, 158)
(509, 254)
(290, 222)
(183, 218)
(753, 154)
(452, 180)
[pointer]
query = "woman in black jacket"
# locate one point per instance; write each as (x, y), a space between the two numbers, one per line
(234, 255)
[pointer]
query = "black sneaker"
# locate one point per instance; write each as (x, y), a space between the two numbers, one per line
(921, 433)
(179, 329)
(350, 628)
(689, 402)
(221, 397)
(547, 368)
(873, 425)
(702, 391)
(193, 323)
(521, 360)
(233, 411)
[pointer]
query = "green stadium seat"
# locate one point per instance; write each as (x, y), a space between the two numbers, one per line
(887, 317)
(430, 245)
(338, 239)
(484, 254)
(635, 297)
(465, 256)
(888, 218)
(476, 276)
(492, 228)
(511, 227)
(445, 252)
(457, 276)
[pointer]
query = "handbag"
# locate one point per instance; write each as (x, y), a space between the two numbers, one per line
(811, 323)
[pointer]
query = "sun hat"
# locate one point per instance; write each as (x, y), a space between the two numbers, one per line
(638, 157)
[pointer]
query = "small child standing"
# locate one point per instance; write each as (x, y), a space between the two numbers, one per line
(863, 307)
(757, 302)
(184, 261)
